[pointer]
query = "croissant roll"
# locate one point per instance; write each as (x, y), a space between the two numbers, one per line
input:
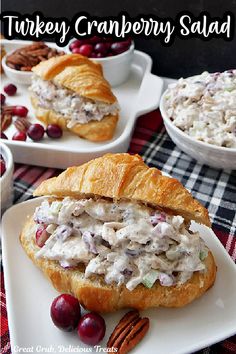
(115, 233)
(70, 91)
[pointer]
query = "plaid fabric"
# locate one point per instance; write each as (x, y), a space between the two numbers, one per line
(216, 189)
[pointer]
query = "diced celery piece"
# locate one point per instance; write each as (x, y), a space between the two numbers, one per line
(230, 89)
(203, 254)
(150, 278)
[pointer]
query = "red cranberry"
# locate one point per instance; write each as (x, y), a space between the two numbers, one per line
(10, 89)
(91, 328)
(108, 39)
(86, 50)
(75, 44)
(120, 47)
(100, 55)
(93, 55)
(72, 46)
(76, 51)
(3, 136)
(3, 99)
(101, 48)
(54, 131)
(2, 167)
(20, 111)
(21, 136)
(108, 45)
(65, 312)
(94, 39)
(35, 132)
(41, 236)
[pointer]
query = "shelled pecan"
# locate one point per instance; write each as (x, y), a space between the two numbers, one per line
(6, 119)
(21, 124)
(7, 109)
(128, 333)
(25, 58)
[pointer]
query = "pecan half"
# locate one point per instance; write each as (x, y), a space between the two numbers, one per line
(6, 119)
(7, 109)
(136, 334)
(124, 322)
(21, 124)
(128, 333)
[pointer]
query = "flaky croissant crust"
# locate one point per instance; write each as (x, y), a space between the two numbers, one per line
(78, 74)
(125, 176)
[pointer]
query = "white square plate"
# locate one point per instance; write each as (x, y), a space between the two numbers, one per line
(172, 331)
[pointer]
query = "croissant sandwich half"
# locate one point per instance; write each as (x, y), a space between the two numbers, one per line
(115, 233)
(70, 91)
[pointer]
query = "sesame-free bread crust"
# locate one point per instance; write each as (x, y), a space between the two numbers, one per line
(125, 176)
(77, 73)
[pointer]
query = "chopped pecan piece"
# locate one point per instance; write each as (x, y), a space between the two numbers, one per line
(128, 333)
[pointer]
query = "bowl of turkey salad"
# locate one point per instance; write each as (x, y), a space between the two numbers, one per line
(199, 114)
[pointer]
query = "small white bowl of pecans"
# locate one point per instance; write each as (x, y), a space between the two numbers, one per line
(18, 63)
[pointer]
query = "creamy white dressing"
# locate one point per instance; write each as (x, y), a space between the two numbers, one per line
(123, 241)
(69, 104)
(204, 107)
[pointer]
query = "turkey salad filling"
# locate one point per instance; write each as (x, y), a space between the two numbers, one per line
(125, 242)
(204, 107)
(69, 104)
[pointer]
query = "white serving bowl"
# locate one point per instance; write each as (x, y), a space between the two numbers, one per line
(211, 155)
(116, 69)
(16, 76)
(6, 181)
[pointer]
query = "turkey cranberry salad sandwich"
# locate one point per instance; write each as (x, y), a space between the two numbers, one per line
(70, 91)
(115, 233)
